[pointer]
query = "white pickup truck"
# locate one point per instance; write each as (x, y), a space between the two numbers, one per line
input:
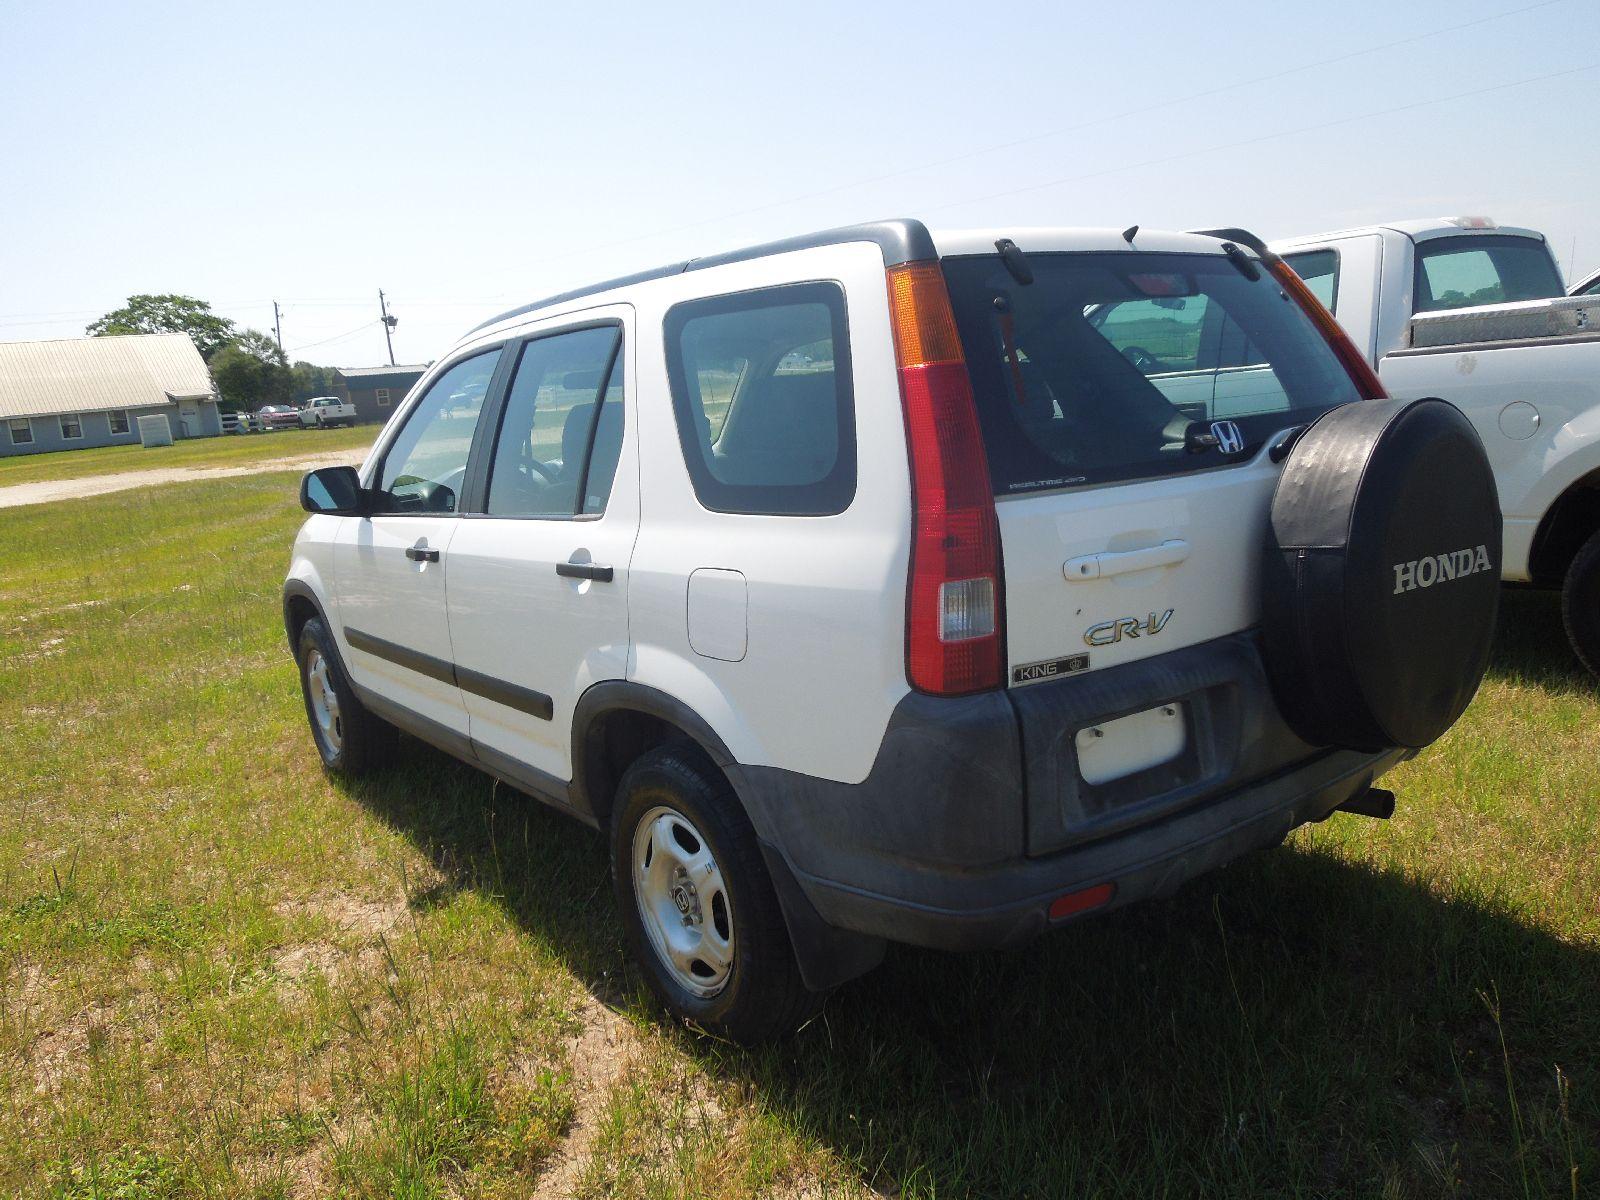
(326, 411)
(1477, 314)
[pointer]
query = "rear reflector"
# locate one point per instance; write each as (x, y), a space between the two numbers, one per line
(1074, 903)
(953, 613)
(1355, 363)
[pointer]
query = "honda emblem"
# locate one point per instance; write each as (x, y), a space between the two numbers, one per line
(1229, 438)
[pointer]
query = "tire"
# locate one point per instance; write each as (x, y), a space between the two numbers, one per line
(1381, 579)
(736, 975)
(1580, 604)
(349, 739)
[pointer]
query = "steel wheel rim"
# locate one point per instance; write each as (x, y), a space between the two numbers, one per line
(324, 701)
(683, 901)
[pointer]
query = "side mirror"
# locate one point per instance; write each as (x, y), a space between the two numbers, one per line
(336, 491)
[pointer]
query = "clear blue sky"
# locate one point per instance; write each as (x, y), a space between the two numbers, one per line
(469, 157)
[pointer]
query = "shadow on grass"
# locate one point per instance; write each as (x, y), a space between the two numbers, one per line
(1531, 643)
(1297, 1024)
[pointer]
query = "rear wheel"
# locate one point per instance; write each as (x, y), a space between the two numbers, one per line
(349, 739)
(697, 904)
(1580, 604)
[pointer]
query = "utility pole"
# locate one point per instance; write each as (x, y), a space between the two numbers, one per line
(277, 324)
(388, 325)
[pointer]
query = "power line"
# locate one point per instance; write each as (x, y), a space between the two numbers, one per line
(338, 337)
(1266, 137)
(1047, 134)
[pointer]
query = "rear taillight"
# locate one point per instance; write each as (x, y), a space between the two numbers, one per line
(953, 617)
(1360, 370)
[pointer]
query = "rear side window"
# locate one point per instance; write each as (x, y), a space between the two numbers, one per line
(1320, 270)
(566, 397)
(1459, 272)
(1105, 366)
(761, 389)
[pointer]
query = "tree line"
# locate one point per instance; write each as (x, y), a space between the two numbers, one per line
(249, 367)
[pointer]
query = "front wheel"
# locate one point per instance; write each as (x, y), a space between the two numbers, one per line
(1580, 604)
(349, 739)
(697, 905)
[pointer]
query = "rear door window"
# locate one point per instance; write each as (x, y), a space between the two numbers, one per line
(1460, 272)
(561, 431)
(1107, 365)
(761, 388)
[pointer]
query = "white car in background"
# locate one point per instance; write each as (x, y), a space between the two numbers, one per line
(324, 412)
(1476, 313)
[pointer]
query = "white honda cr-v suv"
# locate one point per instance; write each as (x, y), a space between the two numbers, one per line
(883, 585)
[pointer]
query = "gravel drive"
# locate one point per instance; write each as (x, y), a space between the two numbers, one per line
(49, 490)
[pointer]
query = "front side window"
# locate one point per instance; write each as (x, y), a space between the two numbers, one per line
(21, 430)
(1460, 272)
(72, 427)
(119, 422)
(556, 450)
(425, 465)
(1320, 270)
(1106, 366)
(761, 386)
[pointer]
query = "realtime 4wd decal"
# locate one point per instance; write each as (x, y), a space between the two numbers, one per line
(1035, 671)
(1438, 568)
(1108, 632)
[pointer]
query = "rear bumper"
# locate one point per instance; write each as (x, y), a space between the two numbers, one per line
(975, 816)
(1008, 904)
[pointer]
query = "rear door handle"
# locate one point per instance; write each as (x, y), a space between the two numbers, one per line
(421, 553)
(572, 570)
(1119, 562)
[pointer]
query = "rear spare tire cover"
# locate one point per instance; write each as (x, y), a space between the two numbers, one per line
(1382, 575)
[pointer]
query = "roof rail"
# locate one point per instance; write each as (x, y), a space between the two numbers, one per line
(900, 241)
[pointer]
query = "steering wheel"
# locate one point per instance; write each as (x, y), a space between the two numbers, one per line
(539, 466)
(1141, 358)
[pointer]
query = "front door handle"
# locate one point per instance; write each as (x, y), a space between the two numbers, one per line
(572, 570)
(422, 553)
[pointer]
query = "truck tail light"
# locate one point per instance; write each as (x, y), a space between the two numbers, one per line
(1361, 372)
(953, 614)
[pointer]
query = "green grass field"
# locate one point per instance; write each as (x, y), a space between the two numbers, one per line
(223, 974)
(196, 452)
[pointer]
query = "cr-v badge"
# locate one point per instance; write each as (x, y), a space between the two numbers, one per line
(1107, 632)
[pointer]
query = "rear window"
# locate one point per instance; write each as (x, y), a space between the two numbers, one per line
(1108, 366)
(1320, 270)
(1459, 272)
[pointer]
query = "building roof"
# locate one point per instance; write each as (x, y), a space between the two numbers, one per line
(366, 374)
(75, 375)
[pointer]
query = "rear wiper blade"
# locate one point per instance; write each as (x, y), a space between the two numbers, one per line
(1011, 254)
(1242, 261)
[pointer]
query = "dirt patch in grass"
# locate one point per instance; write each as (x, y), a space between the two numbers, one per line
(348, 914)
(600, 1054)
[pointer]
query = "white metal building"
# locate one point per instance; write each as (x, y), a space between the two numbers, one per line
(77, 392)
